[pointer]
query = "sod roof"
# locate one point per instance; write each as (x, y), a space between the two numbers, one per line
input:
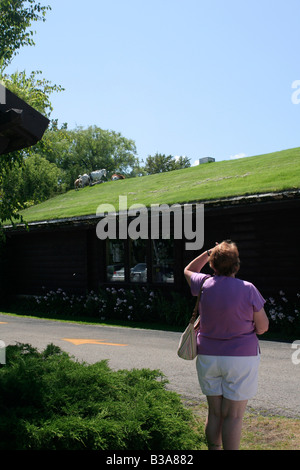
(270, 173)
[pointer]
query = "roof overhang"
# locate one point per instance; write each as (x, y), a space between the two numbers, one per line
(21, 126)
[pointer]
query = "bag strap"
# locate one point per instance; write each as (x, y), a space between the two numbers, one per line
(195, 312)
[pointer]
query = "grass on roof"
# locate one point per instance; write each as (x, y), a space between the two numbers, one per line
(264, 173)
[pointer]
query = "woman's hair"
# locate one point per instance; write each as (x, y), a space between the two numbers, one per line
(224, 258)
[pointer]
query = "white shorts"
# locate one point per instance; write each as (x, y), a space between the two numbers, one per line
(234, 377)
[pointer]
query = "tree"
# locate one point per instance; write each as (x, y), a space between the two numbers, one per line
(82, 150)
(95, 148)
(16, 16)
(36, 92)
(36, 181)
(55, 144)
(161, 163)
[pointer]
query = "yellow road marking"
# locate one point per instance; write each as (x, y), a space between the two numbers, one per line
(3, 322)
(78, 341)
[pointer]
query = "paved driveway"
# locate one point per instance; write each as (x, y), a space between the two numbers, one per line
(127, 348)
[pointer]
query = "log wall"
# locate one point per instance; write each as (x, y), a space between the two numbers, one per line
(69, 255)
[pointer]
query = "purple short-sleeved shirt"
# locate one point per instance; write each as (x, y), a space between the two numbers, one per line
(226, 316)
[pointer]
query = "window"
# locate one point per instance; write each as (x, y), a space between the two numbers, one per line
(127, 260)
(138, 260)
(163, 261)
(115, 265)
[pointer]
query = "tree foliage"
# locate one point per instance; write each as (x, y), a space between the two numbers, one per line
(36, 92)
(159, 163)
(32, 89)
(33, 182)
(16, 16)
(80, 151)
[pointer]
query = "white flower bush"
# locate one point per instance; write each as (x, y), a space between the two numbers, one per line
(108, 303)
(142, 304)
(283, 313)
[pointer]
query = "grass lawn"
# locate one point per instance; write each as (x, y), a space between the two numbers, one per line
(260, 431)
(264, 173)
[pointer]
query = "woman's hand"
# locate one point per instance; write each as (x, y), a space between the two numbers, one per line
(195, 266)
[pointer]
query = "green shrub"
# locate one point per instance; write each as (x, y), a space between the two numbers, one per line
(48, 401)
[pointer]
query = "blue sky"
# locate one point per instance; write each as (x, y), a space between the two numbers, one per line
(179, 77)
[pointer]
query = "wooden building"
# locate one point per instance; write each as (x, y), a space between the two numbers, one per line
(67, 253)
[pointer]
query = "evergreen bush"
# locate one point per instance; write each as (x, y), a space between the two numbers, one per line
(48, 401)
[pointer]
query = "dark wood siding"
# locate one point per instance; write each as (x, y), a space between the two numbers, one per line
(71, 256)
(48, 260)
(267, 235)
